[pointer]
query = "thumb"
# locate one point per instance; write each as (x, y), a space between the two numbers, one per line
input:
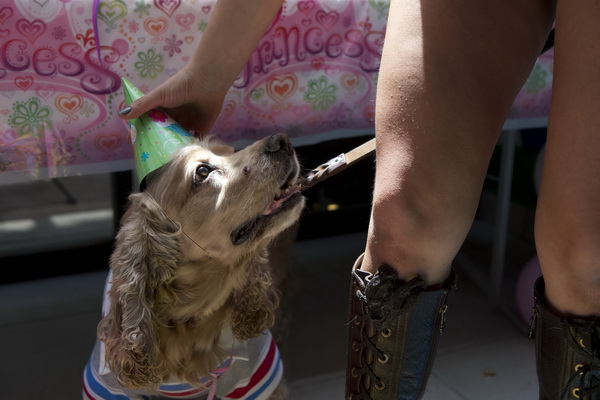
(141, 105)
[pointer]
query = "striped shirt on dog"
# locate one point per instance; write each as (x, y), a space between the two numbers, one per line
(251, 377)
(252, 372)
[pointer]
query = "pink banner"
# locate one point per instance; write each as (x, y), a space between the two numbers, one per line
(313, 75)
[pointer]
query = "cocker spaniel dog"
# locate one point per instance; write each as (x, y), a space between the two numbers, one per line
(189, 300)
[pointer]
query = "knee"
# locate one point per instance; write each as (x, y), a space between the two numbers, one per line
(568, 248)
(412, 235)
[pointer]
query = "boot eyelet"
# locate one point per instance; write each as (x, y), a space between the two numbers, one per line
(384, 359)
(354, 344)
(581, 343)
(578, 368)
(575, 392)
(354, 373)
(380, 385)
(386, 332)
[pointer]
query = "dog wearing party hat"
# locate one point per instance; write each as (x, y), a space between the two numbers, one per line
(189, 299)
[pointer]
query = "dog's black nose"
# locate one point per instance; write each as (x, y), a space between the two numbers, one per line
(278, 142)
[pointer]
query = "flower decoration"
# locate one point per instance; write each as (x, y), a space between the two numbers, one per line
(320, 94)
(149, 64)
(30, 117)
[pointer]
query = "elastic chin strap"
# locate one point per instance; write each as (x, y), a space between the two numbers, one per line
(192, 240)
(180, 227)
(213, 389)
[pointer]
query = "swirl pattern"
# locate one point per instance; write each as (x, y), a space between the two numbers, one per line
(313, 75)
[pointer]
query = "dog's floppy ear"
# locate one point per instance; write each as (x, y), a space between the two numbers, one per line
(142, 264)
(254, 304)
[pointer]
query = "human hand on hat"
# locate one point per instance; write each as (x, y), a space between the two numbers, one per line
(194, 95)
(183, 97)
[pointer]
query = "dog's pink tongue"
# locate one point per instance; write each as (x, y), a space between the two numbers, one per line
(278, 201)
(275, 204)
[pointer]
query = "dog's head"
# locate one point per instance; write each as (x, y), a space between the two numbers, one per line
(191, 250)
(231, 203)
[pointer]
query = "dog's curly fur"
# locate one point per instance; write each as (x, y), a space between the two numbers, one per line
(178, 275)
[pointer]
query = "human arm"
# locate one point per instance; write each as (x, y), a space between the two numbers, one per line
(195, 94)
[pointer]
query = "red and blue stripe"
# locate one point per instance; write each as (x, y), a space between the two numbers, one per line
(258, 386)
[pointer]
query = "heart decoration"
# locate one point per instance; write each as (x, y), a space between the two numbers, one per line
(111, 12)
(108, 142)
(185, 20)
(332, 70)
(32, 30)
(23, 82)
(5, 14)
(4, 33)
(68, 105)
(306, 6)
(327, 19)
(257, 94)
(7, 93)
(167, 6)
(282, 88)
(317, 63)
(382, 6)
(349, 81)
(45, 92)
(156, 26)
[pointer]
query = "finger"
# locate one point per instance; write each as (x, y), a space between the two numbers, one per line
(142, 105)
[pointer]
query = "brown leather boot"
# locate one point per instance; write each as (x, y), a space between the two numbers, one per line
(567, 352)
(392, 336)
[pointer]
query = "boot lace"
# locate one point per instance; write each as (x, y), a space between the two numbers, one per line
(585, 384)
(383, 302)
(368, 352)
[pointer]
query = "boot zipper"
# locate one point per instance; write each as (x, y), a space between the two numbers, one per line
(441, 319)
(443, 311)
(534, 316)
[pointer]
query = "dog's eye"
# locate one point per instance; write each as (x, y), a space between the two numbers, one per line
(202, 173)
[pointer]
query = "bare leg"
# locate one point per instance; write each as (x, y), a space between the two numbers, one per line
(449, 73)
(568, 212)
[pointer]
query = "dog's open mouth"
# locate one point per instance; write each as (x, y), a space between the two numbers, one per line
(288, 197)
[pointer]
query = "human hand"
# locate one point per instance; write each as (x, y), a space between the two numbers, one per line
(185, 98)
(194, 96)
